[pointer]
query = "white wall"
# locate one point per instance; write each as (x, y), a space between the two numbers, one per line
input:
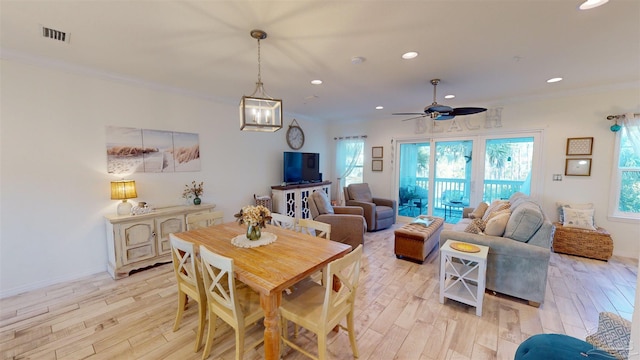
(54, 184)
(577, 115)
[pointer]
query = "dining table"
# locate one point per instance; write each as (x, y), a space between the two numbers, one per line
(269, 269)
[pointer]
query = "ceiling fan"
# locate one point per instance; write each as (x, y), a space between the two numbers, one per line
(442, 112)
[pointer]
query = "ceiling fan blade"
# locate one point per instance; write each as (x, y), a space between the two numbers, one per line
(446, 116)
(415, 117)
(438, 108)
(468, 110)
(411, 113)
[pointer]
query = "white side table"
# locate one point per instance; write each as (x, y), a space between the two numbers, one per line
(462, 275)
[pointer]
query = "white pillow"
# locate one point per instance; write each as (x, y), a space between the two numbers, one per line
(562, 204)
(497, 224)
(577, 218)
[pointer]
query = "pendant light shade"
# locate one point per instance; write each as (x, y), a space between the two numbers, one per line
(259, 111)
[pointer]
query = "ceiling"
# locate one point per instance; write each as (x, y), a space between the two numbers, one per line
(488, 53)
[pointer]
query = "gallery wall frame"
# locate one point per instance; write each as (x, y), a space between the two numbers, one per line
(577, 167)
(376, 165)
(580, 146)
(376, 152)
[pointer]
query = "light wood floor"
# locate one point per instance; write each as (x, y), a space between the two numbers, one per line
(398, 314)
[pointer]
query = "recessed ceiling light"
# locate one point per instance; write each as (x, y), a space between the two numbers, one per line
(590, 4)
(553, 80)
(316, 82)
(449, 96)
(379, 107)
(357, 60)
(409, 55)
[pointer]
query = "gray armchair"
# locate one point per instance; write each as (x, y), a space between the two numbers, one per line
(347, 223)
(379, 213)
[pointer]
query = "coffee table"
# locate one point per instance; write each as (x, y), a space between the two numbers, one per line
(463, 274)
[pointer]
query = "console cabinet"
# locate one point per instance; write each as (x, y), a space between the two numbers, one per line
(138, 241)
(292, 200)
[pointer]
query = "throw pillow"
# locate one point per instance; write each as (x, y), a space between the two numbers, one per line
(498, 213)
(496, 205)
(524, 221)
(563, 204)
(473, 228)
(321, 199)
(576, 218)
(479, 211)
(497, 224)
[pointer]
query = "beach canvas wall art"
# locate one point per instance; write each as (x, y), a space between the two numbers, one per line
(131, 150)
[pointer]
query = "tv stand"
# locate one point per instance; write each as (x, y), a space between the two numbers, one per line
(292, 200)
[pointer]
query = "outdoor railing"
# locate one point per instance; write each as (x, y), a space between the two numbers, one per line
(493, 189)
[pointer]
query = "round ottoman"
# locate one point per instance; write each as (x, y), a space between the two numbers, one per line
(558, 347)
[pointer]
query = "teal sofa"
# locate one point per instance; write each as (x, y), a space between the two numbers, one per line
(518, 260)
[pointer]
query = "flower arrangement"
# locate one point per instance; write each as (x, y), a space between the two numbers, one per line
(256, 215)
(193, 190)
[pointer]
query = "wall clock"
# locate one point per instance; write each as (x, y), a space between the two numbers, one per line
(295, 136)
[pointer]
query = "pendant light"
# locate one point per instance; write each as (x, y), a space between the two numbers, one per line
(259, 111)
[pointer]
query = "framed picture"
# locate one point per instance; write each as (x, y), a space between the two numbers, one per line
(577, 167)
(376, 165)
(579, 146)
(376, 152)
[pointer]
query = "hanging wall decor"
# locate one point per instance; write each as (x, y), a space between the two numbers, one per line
(131, 150)
(579, 146)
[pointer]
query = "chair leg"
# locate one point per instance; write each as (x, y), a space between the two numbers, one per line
(352, 334)
(202, 317)
(182, 300)
(322, 346)
(240, 341)
(210, 334)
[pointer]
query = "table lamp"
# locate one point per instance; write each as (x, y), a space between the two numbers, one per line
(123, 190)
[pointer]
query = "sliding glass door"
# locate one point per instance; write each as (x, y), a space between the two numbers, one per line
(442, 176)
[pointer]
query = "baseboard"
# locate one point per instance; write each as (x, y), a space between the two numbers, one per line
(41, 284)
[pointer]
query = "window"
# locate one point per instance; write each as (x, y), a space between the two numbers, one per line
(349, 161)
(625, 193)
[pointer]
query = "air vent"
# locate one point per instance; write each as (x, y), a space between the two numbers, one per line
(54, 34)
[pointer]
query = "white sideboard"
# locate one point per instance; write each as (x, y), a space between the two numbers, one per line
(138, 241)
(292, 200)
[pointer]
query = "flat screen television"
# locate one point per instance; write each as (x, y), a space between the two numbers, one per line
(301, 167)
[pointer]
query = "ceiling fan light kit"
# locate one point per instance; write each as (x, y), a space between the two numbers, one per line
(259, 111)
(442, 112)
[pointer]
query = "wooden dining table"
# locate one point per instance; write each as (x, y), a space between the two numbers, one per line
(269, 269)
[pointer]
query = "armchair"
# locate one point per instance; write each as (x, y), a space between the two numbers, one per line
(379, 213)
(347, 222)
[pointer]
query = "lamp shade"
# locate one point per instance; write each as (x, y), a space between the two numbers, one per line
(260, 114)
(123, 189)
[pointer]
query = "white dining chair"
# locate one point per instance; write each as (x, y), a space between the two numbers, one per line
(204, 219)
(283, 221)
(315, 228)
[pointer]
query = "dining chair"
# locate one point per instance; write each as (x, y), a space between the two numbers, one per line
(315, 228)
(283, 221)
(204, 219)
(187, 270)
(319, 308)
(237, 306)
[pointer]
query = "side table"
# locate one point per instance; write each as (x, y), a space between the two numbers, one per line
(462, 275)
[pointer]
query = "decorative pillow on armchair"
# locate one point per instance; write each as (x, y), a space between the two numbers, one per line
(322, 202)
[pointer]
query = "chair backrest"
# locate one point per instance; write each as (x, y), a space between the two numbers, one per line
(452, 195)
(220, 286)
(347, 271)
(283, 221)
(205, 219)
(358, 192)
(315, 228)
(185, 265)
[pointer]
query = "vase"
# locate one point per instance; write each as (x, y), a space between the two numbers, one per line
(253, 232)
(196, 201)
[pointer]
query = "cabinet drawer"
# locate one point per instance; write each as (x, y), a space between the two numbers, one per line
(139, 253)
